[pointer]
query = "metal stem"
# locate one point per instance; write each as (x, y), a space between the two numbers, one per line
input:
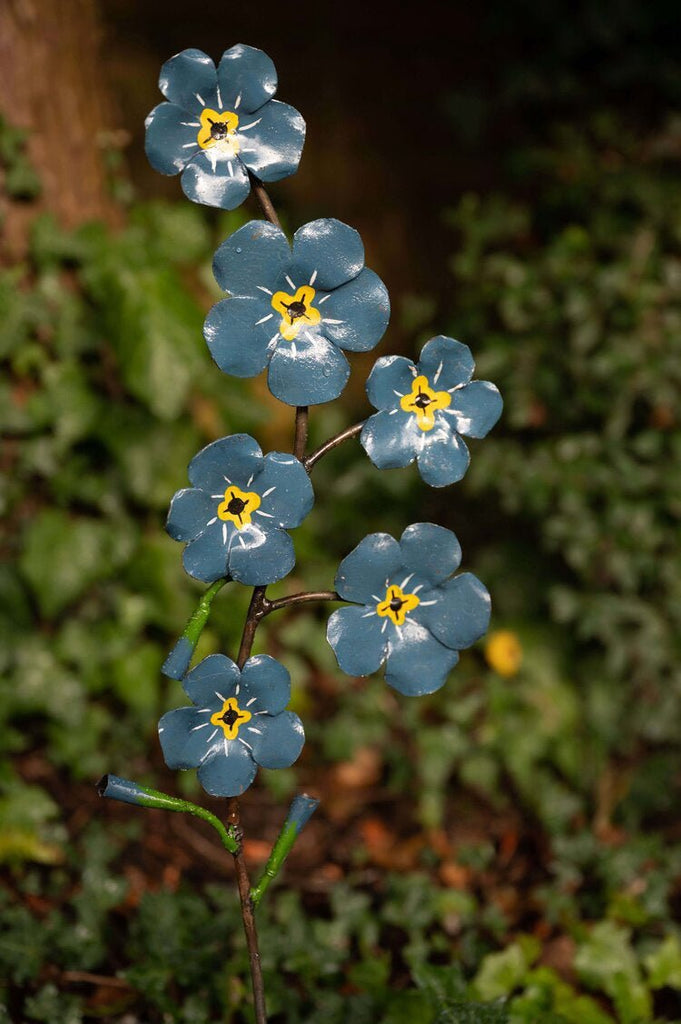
(332, 443)
(264, 200)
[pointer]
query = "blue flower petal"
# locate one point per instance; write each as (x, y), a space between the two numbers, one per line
(170, 141)
(460, 614)
(271, 142)
(356, 314)
(357, 640)
(237, 341)
(329, 250)
(299, 813)
(477, 407)
(307, 371)
(391, 378)
(189, 79)
(229, 460)
(446, 363)
(215, 180)
(217, 672)
(431, 551)
(250, 261)
(444, 457)
(417, 663)
(206, 557)
(176, 664)
(390, 439)
(285, 488)
(190, 511)
(185, 736)
(248, 73)
(228, 775)
(363, 574)
(265, 686)
(280, 741)
(260, 556)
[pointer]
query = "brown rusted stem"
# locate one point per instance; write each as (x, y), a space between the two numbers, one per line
(264, 200)
(248, 918)
(257, 608)
(300, 439)
(293, 599)
(332, 443)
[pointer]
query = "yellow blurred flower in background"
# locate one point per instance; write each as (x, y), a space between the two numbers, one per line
(504, 652)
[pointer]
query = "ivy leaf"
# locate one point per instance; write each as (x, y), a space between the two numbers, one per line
(63, 556)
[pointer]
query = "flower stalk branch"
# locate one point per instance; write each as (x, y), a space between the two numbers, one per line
(303, 598)
(328, 446)
(248, 918)
(176, 664)
(300, 812)
(128, 792)
(261, 195)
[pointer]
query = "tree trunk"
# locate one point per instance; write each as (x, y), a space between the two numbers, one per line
(51, 84)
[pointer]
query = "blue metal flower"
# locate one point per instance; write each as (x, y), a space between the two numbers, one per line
(238, 722)
(295, 308)
(236, 513)
(425, 408)
(408, 610)
(220, 124)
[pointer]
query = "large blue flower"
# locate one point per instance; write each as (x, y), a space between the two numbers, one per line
(236, 513)
(295, 308)
(238, 723)
(424, 408)
(408, 610)
(220, 124)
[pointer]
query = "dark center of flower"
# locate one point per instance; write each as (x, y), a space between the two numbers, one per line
(219, 130)
(422, 401)
(396, 603)
(296, 310)
(229, 717)
(235, 506)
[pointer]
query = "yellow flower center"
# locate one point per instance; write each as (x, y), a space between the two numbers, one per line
(219, 130)
(397, 604)
(296, 311)
(238, 506)
(423, 402)
(230, 717)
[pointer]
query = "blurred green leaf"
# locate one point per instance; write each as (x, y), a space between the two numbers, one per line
(64, 555)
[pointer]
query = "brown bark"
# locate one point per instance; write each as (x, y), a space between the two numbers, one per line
(51, 84)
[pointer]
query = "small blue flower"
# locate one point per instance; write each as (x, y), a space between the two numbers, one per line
(424, 409)
(220, 124)
(295, 308)
(238, 722)
(408, 610)
(236, 513)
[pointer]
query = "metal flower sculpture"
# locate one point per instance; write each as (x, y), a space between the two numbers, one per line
(237, 724)
(408, 610)
(236, 513)
(220, 124)
(295, 308)
(424, 409)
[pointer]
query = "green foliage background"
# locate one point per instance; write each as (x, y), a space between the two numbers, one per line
(568, 290)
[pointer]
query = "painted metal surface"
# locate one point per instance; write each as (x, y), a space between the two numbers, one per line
(235, 515)
(408, 611)
(237, 722)
(220, 123)
(295, 308)
(425, 409)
